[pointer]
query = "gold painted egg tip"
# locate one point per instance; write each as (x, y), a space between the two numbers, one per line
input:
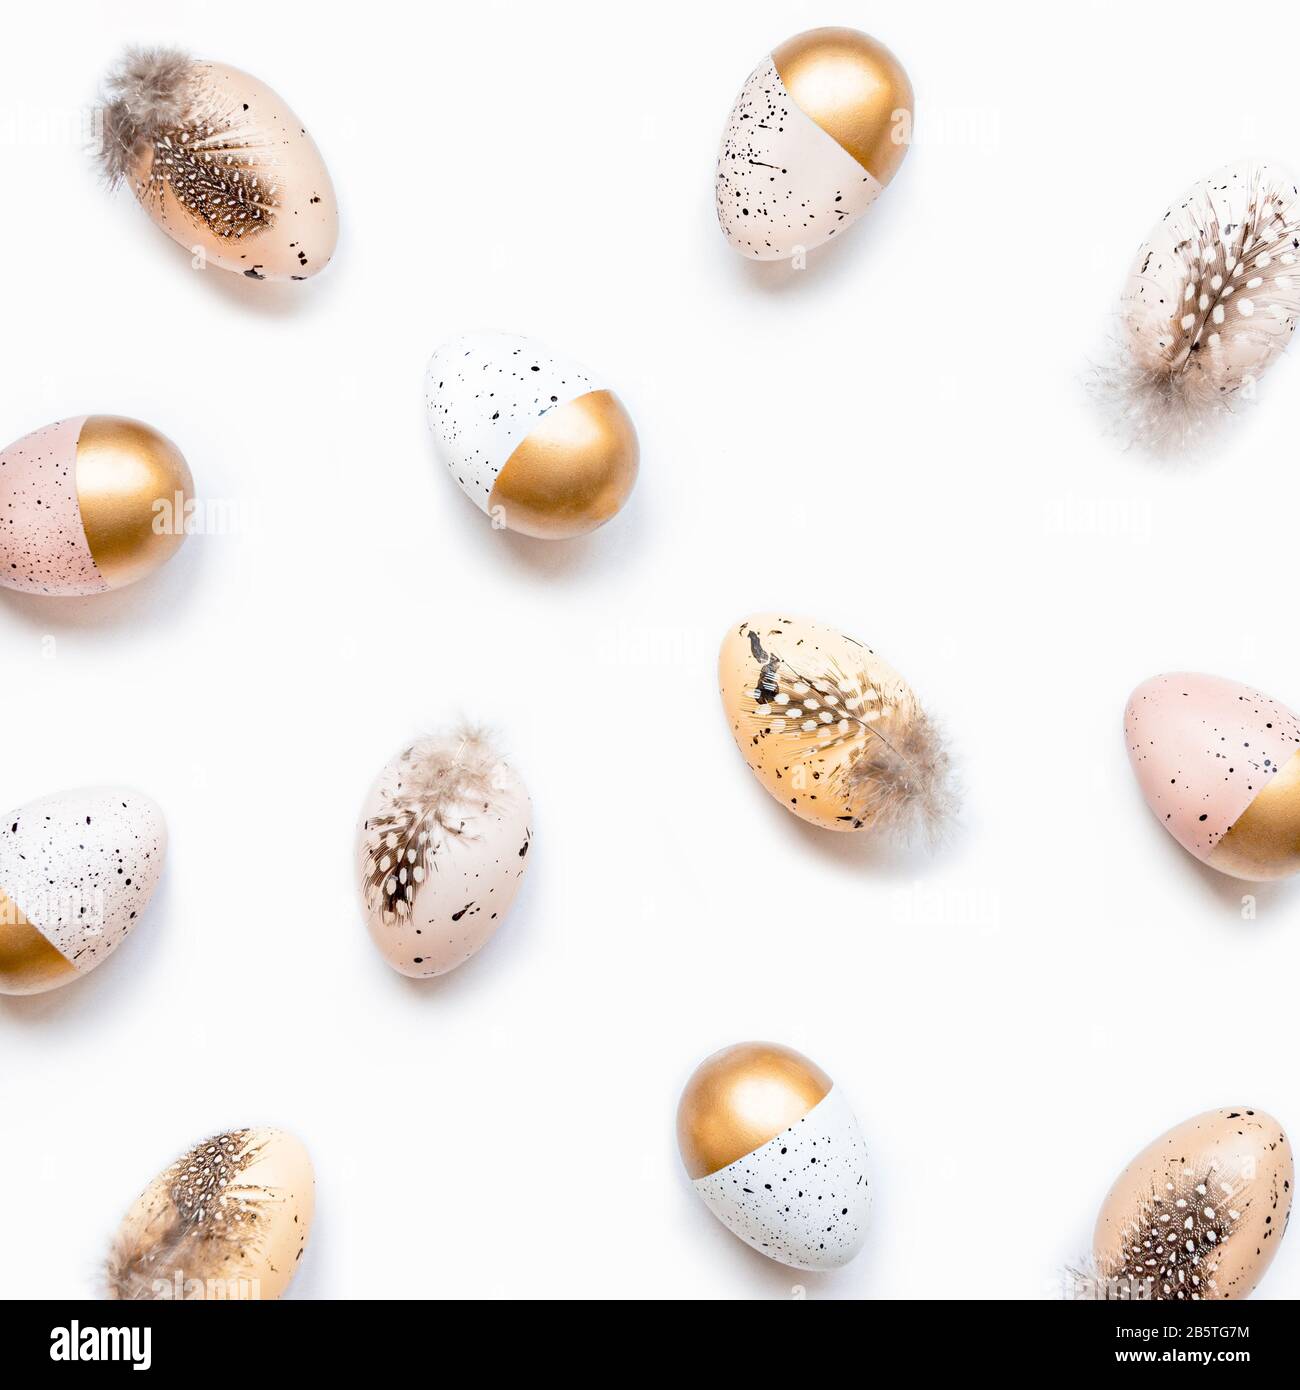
(741, 1097)
(855, 89)
(572, 473)
(134, 488)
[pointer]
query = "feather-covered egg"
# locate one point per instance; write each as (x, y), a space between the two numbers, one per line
(539, 443)
(1198, 1214)
(228, 1220)
(1219, 765)
(774, 1150)
(90, 504)
(77, 870)
(220, 163)
(816, 133)
(1210, 302)
(831, 730)
(441, 851)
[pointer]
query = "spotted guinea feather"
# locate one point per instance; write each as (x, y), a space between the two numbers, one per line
(898, 778)
(202, 1217)
(148, 92)
(440, 779)
(1171, 1248)
(1192, 342)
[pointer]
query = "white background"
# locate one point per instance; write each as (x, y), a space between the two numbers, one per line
(895, 441)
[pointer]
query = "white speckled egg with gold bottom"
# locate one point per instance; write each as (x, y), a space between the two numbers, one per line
(539, 443)
(775, 1152)
(77, 869)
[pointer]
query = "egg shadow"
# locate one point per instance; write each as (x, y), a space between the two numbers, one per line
(1225, 890)
(164, 592)
(865, 851)
(279, 299)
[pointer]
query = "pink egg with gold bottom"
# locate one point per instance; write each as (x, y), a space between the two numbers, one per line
(1219, 765)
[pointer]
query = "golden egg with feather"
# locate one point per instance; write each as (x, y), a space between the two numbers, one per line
(831, 730)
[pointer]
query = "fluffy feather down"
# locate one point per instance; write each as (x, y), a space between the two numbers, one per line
(902, 777)
(898, 779)
(147, 92)
(1211, 302)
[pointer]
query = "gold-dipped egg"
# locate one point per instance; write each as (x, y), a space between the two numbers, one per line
(1198, 1214)
(90, 504)
(539, 443)
(229, 1220)
(831, 731)
(77, 870)
(819, 129)
(1219, 765)
(775, 1152)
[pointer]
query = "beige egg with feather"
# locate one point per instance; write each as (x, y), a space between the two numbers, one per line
(441, 850)
(221, 164)
(228, 1220)
(831, 730)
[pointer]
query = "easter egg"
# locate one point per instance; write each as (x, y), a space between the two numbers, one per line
(76, 872)
(775, 1152)
(90, 504)
(832, 731)
(229, 1220)
(1199, 1213)
(441, 851)
(220, 163)
(818, 130)
(1219, 765)
(540, 444)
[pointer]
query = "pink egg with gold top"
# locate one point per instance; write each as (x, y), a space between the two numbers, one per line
(1219, 765)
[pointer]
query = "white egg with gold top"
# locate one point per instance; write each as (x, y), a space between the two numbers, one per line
(539, 443)
(90, 504)
(831, 730)
(77, 870)
(774, 1150)
(228, 1220)
(818, 130)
